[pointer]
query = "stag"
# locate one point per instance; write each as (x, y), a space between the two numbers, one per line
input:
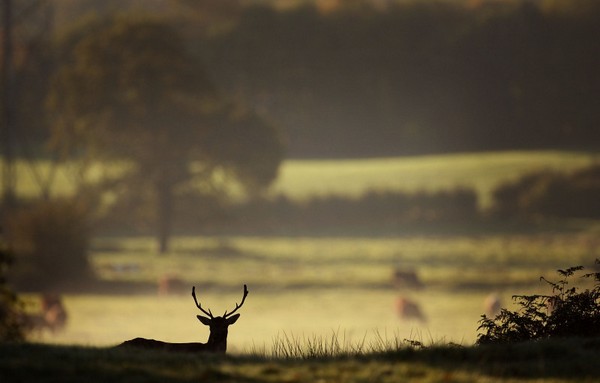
(217, 340)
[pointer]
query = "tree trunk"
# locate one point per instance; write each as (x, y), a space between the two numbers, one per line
(164, 215)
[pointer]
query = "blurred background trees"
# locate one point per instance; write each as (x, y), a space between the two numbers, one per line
(356, 79)
(550, 195)
(10, 326)
(130, 91)
(418, 77)
(51, 240)
(200, 100)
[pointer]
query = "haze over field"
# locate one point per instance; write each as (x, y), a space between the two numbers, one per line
(370, 169)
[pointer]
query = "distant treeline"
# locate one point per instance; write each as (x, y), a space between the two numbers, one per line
(374, 211)
(418, 77)
(421, 77)
(542, 196)
(551, 195)
(538, 197)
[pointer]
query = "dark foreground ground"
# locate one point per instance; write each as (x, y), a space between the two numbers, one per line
(570, 360)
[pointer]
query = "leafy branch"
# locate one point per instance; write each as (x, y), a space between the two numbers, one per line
(568, 312)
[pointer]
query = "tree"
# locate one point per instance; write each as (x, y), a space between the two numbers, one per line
(25, 66)
(568, 312)
(50, 242)
(130, 90)
(11, 328)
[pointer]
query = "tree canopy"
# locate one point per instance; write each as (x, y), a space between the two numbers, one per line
(130, 90)
(419, 76)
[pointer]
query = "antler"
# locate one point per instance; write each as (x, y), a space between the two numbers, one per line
(198, 304)
(237, 306)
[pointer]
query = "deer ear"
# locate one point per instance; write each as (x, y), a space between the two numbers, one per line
(204, 320)
(232, 320)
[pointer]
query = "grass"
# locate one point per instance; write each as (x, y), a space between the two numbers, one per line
(352, 262)
(306, 287)
(566, 360)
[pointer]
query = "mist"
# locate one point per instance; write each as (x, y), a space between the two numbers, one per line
(380, 170)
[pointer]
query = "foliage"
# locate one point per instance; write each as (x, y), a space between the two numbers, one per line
(131, 90)
(50, 241)
(441, 76)
(10, 327)
(551, 194)
(28, 76)
(567, 313)
(373, 210)
(103, 95)
(432, 82)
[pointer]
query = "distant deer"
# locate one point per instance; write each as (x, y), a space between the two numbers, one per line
(409, 309)
(492, 305)
(217, 340)
(171, 284)
(52, 316)
(406, 279)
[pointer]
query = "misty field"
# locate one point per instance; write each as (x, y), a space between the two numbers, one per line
(149, 147)
(308, 288)
(332, 293)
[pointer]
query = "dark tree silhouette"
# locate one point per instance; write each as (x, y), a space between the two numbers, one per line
(130, 90)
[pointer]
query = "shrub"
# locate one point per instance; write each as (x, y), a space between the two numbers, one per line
(569, 312)
(10, 326)
(551, 194)
(50, 241)
(373, 210)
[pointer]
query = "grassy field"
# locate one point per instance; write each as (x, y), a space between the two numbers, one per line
(303, 287)
(316, 286)
(311, 290)
(570, 360)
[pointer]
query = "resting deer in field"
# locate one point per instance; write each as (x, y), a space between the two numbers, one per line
(217, 340)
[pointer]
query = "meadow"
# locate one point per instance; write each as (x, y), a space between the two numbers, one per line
(307, 287)
(311, 290)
